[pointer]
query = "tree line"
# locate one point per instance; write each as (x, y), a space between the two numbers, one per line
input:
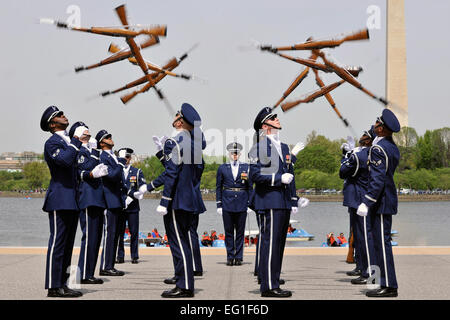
(424, 164)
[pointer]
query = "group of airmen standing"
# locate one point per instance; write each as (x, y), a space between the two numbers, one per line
(100, 189)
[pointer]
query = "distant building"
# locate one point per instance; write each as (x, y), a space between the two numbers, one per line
(14, 161)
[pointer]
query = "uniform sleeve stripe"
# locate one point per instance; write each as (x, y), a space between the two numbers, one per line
(370, 198)
(166, 198)
(73, 146)
(273, 179)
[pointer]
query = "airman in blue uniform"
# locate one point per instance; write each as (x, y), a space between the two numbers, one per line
(271, 169)
(60, 153)
(114, 190)
(354, 169)
(134, 178)
(233, 190)
(197, 138)
(380, 201)
(91, 201)
(180, 201)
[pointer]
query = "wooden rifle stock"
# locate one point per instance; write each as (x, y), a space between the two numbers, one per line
(288, 105)
(295, 83)
(307, 62)
(311, 45)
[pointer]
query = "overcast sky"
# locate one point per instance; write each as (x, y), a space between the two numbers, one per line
(37, 61)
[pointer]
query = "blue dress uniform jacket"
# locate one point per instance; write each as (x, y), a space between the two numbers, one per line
(133, 181)
(113, 183)
(266, 169)
(355, 171)
(381, 196)
(90, 190)
(179, 176)
(61, 160)
(228, 199)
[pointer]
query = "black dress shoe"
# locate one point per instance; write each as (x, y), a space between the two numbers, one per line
(178, 293)
(383, 292)
(354, 273)
(172, 280)
(69, 291)
(237, 262)
(112, 272)
(277, 293)
(229, 262)
(198, 273)
(362, 280)
(92, 281)
(120, 260)
(134, 261)
(61, 293)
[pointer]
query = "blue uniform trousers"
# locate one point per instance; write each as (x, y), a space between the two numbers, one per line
(357, 229)
(177, 224)
(364, 238)
(63, 227)
(194, 243)
(381, 233)
(110, 238)
(133, 225)
(91, 224)
(258, 247)
(274, 224)
(234, 243)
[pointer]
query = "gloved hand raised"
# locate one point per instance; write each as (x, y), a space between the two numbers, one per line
(297, 148)
(159, 142)
(351, 142)
(161, 210)
(249, 210)
(143, 189)
(122, 153)
(287, 178)
(294, 210)
(219, 211)
(100, 170)
(92, 143)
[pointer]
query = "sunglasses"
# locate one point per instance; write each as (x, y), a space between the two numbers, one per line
(273, 117)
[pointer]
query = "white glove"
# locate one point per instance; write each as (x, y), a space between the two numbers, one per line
(303, 202)
(351, 142)
(143, 189)
(219, 211)
(297, 148)
(79, 131)
(128, 200)
(294, 210)
(161, 210)
(138, 195)
(287, 178)
(92, 143)
(159, 142)
(249, 210)
(346, 147)
(100, 170)
(122, 153)
(362, 210)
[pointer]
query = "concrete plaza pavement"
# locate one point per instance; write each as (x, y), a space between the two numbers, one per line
(310, 273)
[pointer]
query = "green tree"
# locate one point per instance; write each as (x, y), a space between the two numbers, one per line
(36, 173)
(317, 157)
